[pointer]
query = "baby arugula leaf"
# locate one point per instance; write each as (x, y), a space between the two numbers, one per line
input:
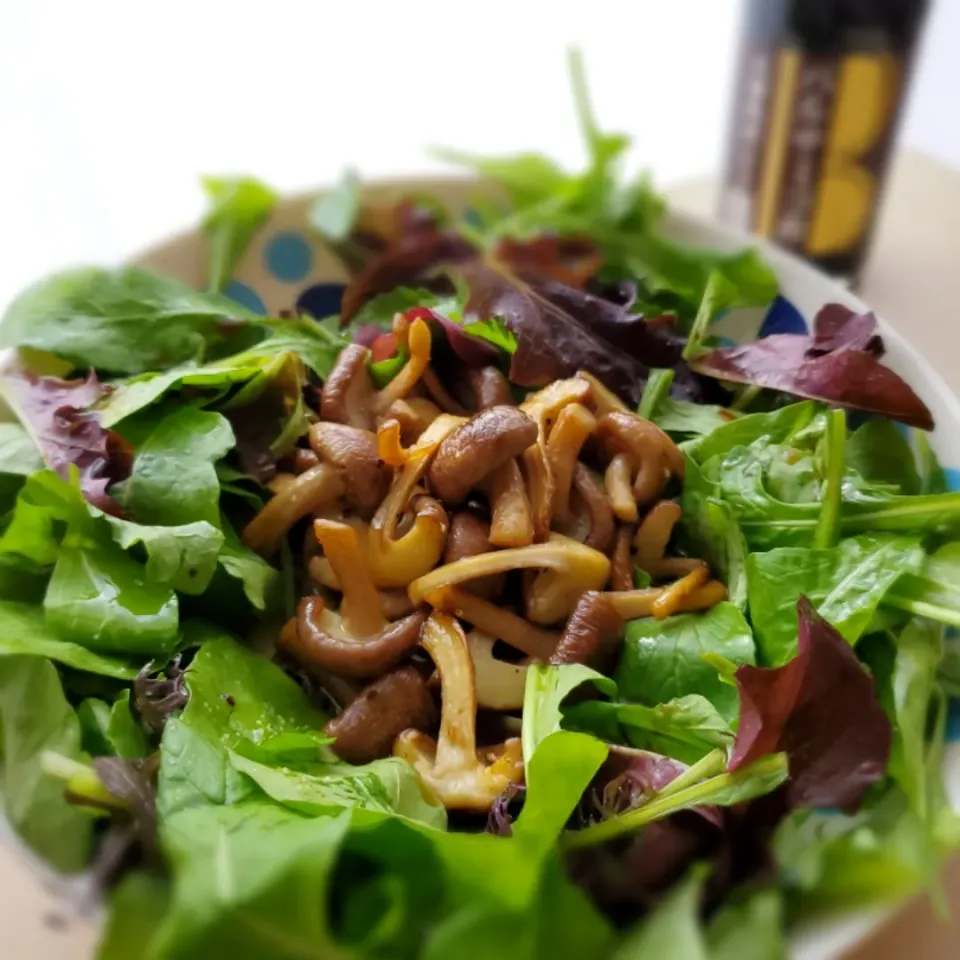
(880, 452)
(846, 584)
(932, 591)
(662, 660)
(36, 717)
(238, 207)
(123, 321)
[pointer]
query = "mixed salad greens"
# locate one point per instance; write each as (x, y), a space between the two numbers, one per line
(738, 769)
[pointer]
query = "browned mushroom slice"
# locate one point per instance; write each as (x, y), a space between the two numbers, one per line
(485, 442)
(490, 387)
(591, 633)
(621, 563)
(353, 452)
(591, 521)
(574, 424)
(451, 767)
(652, 454)
(367, 728)
(304, 459)
(297, 499)
(511, 523)
(497, 622)
(469, 536)
(603, 400)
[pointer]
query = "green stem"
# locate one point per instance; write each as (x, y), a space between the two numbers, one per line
(657, 387)
(581, 100)
(661, 806)
(715, 296)
(746, 397)
(828, 526)
(712, 765)
(80, 780)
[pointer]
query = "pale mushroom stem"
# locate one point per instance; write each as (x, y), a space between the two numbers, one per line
(579, 563)
(444, 641)
(511, 523)
(617, 481)
(265, 532)
(574, 424)
(673, 596)
(361, 606)
(496, 622)
(655, 531)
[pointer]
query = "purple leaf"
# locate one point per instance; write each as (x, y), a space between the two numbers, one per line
(838, 364)
(822, 710)
(561, 329)
(66, 432)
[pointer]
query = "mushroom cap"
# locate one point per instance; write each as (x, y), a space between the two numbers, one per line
(486, 441)
(367, 728)
(353, 451)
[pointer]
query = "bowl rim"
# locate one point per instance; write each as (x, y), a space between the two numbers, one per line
(825, 938)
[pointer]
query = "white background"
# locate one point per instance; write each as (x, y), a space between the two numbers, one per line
(109, 111)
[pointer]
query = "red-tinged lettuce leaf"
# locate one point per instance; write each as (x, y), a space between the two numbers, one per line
(837, 327)
(560, 330)
(473, 351)
(821, 709)
(839, 364)
(55, 413)
(408, 260)
(572, 261)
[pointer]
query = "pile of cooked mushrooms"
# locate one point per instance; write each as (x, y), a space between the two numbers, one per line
(486, 534)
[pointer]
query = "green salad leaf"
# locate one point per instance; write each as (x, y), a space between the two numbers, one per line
(36, 717)
(238, 207)
(846, 584)
(662, 660)
(122, 321)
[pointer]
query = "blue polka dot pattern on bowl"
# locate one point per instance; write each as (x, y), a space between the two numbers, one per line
(288, 257)
(782, 317)
(321, 300)
(245, 296)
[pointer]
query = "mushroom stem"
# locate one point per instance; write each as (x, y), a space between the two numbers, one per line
(590, 491)
(414, 414)
(361, 608)
(451, 767)
(672, 598)
(617, 480)
(576, 563)
(604, 400)
(574, 424)
(441, 395)
(496, 621)
(621, 564)
(634, 604)
(511, 524)
(499, 685)
(265, 532)
(655, 531)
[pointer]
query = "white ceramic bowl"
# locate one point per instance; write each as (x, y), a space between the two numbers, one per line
(286, 261)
